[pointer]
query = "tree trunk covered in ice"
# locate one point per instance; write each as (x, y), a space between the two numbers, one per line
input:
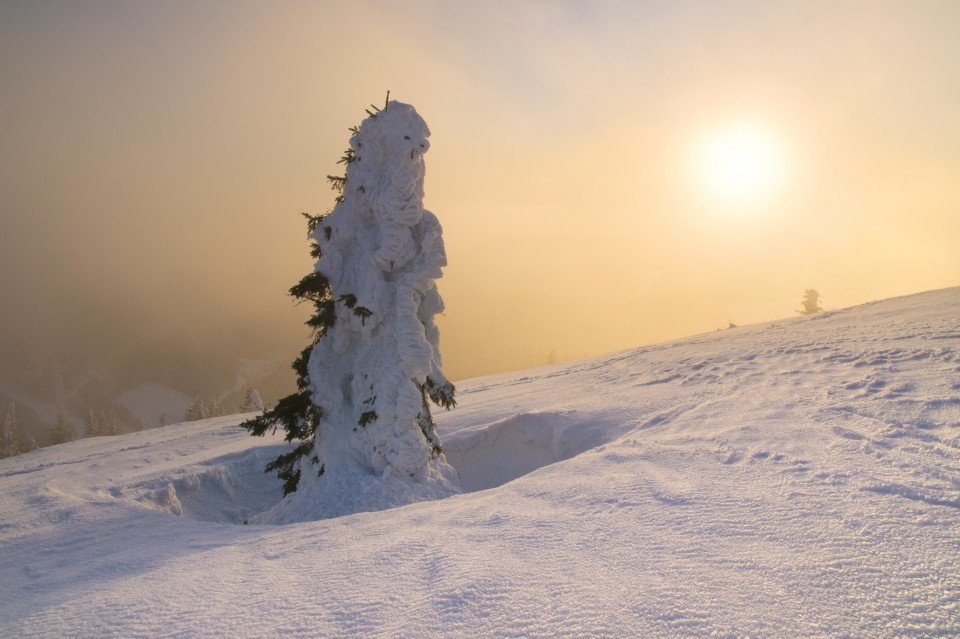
(376, 361)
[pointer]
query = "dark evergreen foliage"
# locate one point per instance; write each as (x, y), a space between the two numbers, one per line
(296, 413)
(441, 394)
(299, 417)
(425, 420)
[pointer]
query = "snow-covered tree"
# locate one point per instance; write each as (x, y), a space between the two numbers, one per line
(63, 429)
(104, 423)
(197, 410)
(9, 428)
(215, 409)
(252, 402)
(92, 426)
(111, 426)
(810, 302)
(28, 443)
(202, 409)
(13, 439)
(125, 416)
(361, 416)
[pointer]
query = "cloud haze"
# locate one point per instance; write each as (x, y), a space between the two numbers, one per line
(156, 157)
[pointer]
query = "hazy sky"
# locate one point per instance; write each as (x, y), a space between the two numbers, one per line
(155, 158)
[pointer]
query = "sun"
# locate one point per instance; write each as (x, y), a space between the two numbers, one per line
(740, 166)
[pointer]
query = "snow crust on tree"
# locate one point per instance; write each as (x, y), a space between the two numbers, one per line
(10, 429)
(13, 439)
(64, 429)
(374, 369)
(253, 403)
(197, 410)
(810, 302)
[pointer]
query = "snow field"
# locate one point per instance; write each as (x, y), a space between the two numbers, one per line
(797, 478)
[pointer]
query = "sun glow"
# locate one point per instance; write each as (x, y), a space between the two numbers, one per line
(741, 166)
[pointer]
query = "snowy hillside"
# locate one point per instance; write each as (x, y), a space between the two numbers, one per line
(797, 478)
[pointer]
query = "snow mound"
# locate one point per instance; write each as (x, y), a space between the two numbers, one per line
(234, 489)
(497, 453)
(230, 489)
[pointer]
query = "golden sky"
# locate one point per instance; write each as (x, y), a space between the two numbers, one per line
(608, 174)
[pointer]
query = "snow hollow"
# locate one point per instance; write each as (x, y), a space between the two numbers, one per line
(795, 478)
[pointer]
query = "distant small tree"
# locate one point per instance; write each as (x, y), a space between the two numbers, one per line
(810, 302)
(163, 420)
(104, 423)
(92, 427)
(27, 443)
(63, 429)
(9, 432)
(197, 410)
(111, 426)
(6, 436)
(125, 416)
(252, 402)
(13, 441)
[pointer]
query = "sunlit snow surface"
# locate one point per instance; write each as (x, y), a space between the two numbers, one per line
(797, 478)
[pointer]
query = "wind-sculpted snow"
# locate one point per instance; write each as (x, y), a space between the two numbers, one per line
(231, 489)
(490, 455)
(792, 479)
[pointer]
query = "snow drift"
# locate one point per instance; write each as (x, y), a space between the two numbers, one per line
(796, 478)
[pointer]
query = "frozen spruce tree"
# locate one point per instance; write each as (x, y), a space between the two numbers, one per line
(64, 429)
(252, 403)
(810, 302)
(361, 418)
